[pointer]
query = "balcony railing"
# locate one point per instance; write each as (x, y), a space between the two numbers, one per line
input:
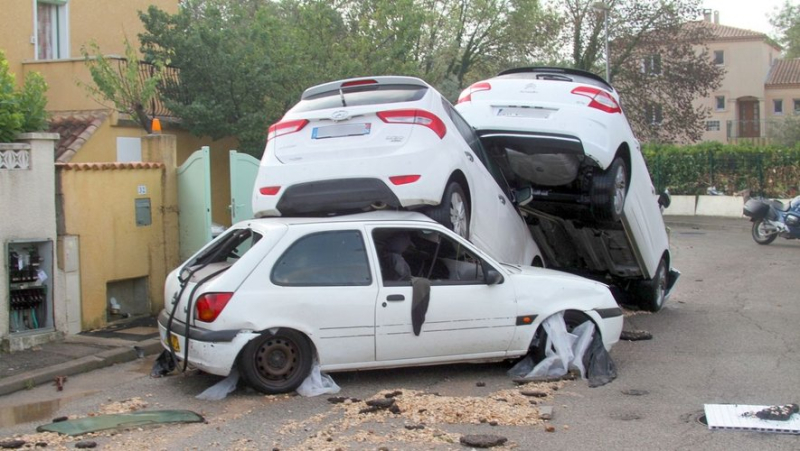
(756, 130)
(169, 79)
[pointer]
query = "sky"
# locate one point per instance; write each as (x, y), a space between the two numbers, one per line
(748, 14)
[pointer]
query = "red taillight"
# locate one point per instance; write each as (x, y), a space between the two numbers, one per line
(466, 95)
(210, 305)
(601, 100)
(414, 117)
(286, 127)
(269, 190)
(403, 179)
(347, 84)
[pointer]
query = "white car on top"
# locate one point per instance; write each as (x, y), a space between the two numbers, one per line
(562, 141)
(373, 290)
(389, 142)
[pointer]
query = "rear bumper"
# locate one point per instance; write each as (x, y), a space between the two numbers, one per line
(336, 195)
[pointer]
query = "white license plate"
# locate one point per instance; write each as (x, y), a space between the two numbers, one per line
(535, 113)
(340, 130)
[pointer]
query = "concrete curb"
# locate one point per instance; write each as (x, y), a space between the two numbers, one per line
(103, 359)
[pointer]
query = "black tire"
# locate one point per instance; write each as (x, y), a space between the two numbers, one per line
(608, 192)
(652, 293)
(453, 212)
(276, 363)
(572, 319)
(758, 234)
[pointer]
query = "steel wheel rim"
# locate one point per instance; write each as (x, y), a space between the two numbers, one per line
(276, 359)
(661, 287)
(458, 214)
(619, 191)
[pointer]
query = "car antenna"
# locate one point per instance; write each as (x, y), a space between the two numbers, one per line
(341, 96)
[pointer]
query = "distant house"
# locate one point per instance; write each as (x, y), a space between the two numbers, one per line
(758, 88)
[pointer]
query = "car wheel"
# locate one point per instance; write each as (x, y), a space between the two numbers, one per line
(453, 211)
(760, 234)
(652, 293)
(276, 363)
(609, 190)
(572, 319)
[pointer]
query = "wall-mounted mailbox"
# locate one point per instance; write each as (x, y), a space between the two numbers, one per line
(143, 216)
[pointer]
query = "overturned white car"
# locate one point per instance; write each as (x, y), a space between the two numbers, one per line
(561, 139)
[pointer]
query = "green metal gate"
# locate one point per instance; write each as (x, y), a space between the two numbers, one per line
(244, 170)
(194, 202)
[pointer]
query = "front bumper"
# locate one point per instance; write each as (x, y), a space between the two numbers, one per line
(214, 352)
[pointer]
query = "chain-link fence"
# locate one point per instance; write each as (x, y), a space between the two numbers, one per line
(726, 169)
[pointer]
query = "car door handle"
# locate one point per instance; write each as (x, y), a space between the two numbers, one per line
(395, 298)
(502, 199)
(469, 155)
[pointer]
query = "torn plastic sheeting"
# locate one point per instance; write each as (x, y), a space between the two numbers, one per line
(86, 425)
(601, 368)
(163, 365)
(222, 388)
(317, 383)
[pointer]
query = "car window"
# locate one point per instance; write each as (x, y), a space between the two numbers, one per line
(229, 247)
(407, 253)
(360, 95)
(336, 258)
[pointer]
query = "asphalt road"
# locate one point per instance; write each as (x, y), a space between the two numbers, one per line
(728, 334)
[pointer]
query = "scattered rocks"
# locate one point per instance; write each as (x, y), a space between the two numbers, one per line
(393, 394)
(635, 392)
(546, 412)
(395, 409)
(41, 444)
(482, 440)
(370, 409)
(384, 403)
(84, 444)
(480, 384)
(338, 399)
(493, 423)
(549, 428)
(413, 427)
(60, 419)
(533, 393)
(12, 444)
(635, 335)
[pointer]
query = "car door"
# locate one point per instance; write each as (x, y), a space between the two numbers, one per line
(465, 318)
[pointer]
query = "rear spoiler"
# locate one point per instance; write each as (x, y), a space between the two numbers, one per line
(361, 81)
(556, 70)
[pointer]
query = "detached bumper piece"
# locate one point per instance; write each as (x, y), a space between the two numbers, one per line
(336, 196)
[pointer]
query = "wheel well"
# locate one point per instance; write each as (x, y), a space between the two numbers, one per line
(459, 178)
(278, 329)
(625, 153)
(540, 329)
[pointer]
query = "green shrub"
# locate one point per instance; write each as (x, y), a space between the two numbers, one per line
(21, 110)
(772, 171)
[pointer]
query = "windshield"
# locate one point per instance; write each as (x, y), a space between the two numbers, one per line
(360, 95)
(228, 247)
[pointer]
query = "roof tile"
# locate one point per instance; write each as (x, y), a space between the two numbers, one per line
(75, 129)
(108, 166)
(784, 72)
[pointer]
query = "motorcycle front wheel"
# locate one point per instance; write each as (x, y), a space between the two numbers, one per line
(760, 233)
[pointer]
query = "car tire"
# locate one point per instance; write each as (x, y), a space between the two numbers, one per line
(276, 363)
(652, 293)
(453, 212)
(572, 319)
(758, 236)
(608, 192)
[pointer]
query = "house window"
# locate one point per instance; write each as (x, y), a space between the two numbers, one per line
(777, 106)
(719, 57)
(52, 38)
(653, 114)
(796, 106)
(712, 126)
(651, 65)
(719, 102)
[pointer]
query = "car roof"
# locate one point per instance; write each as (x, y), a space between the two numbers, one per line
(381, 80)
(534, 70)
(372, 216)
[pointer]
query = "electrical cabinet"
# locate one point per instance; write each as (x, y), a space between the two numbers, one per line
(30, 279)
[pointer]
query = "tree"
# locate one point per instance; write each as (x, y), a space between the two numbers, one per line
(119, 82)
(659, 62)
(787, 22)
(21, 110)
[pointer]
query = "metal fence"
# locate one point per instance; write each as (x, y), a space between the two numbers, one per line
(168, 80)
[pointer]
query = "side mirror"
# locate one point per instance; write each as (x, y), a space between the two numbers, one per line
(664, 199)
(493, 277)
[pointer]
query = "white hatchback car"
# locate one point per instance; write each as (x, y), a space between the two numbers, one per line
(388, 143)
(562, 140)
(373, 290)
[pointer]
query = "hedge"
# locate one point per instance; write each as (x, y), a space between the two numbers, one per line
(770, 171)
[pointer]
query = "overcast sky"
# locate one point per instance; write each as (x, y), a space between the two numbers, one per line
(748, 14)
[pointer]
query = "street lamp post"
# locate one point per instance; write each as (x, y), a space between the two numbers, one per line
(599, 6)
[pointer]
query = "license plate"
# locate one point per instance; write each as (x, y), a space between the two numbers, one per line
(535, 113)
(340, 130)
(176, 342)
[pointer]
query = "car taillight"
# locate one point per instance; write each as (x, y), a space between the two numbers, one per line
(403, 179)
(210, 305)
(414, 117)
(286, 127)
(466, 95)
(269, 190)
(367, 81)
(601, 100)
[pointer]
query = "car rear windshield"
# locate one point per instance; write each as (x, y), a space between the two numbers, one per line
(360, 95)
(229, 247)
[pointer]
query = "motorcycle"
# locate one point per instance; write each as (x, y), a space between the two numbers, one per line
(771, 219)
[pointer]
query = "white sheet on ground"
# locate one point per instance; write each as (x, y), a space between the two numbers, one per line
(317, 383)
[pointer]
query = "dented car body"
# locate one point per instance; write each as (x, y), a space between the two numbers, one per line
(373, 290)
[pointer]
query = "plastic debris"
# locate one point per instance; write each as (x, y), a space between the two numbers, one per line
(317, 383)
(163, 365)
(221, 389)
(600, 366)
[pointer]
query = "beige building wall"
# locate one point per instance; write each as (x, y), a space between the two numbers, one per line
(788, 93)
(112, 246)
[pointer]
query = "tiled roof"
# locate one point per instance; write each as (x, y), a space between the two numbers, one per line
(726, 32)
(75, 129)
(784, 72)
(108, 166)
